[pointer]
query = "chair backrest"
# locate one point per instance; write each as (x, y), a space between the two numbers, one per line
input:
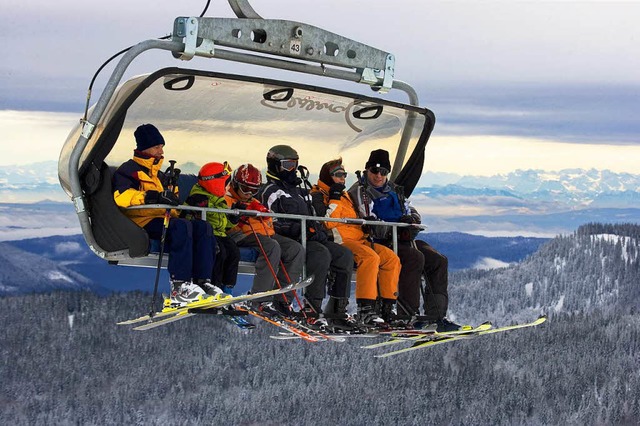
(112, 230)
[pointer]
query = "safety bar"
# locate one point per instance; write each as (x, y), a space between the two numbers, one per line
(303, 219)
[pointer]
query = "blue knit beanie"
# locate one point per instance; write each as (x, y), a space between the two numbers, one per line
(147, 135)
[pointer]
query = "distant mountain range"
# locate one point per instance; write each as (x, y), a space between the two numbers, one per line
(524, 202)
(573, 188)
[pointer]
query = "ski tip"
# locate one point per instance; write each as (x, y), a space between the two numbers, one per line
(541, 319)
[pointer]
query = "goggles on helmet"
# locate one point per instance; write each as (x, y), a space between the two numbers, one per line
(226, 171)
(253, 190)
(288, 165)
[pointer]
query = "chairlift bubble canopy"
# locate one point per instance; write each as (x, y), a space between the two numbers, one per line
(207, 116)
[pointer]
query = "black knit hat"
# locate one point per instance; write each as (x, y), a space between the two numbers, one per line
(379, 158)
(147, 135)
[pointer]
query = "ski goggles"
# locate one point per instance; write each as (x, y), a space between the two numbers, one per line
(338, 172)
(253, 190)
(379, 170)
(288, 165)
(226, 171)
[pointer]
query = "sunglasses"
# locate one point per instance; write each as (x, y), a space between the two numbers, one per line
(289, 165)
(339, 174)
(379, 170)
(253, 190)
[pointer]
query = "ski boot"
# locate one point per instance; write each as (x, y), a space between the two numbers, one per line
(339, 320)
(312, 311)
(444, 325)
(389, 314)
(212, 290)
(183, 293)
(368, 317)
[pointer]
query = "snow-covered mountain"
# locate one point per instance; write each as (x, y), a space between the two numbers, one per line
(596, 267)
(570, 187)
(525, 202)
(31, 182)
(24, 272)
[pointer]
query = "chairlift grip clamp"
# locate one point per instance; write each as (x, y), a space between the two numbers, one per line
(87, 129)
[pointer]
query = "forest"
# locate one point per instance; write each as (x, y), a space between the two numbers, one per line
(64, 361)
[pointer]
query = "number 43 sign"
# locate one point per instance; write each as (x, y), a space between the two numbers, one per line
(295, 47)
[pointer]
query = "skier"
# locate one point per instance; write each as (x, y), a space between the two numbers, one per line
(209, 192)
(258, 232)
(282, 194)
(377, 198)
(190, 244)
(378, 267)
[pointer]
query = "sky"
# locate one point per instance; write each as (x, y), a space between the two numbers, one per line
(513, 84)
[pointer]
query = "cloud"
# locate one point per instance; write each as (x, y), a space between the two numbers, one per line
(489, 263)
(68, 247)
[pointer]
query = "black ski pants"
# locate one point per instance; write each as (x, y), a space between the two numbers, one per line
(436, 270)
(323, 257)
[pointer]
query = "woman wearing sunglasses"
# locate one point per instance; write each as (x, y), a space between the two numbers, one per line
(378, 267)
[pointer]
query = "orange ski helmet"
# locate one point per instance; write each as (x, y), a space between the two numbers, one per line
(213, 177)
(247, 178)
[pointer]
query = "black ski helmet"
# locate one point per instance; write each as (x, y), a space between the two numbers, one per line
(278, 153)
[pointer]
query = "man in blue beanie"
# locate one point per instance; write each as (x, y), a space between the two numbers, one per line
(190, 244)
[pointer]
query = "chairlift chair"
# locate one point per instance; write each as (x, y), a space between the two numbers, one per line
(206, 115)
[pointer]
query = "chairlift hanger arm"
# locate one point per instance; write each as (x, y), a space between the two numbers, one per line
(295, 41)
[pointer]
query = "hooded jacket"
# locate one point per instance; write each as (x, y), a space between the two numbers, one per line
(130, 183)
(283, 197)
(386, 203)
(342, 208)
(200, 197)
(261, 225)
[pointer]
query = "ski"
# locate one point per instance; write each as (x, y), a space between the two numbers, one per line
(450, 338)
(418, 335)
(239, 322)
(283, 325)
(337, 336)
(175, 317)
(210, 304)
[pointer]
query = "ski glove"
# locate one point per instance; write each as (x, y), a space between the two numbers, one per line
(407, 219)
(164, 197)
(255, 205)
(335, 191)
(239, 205)
(367, 228)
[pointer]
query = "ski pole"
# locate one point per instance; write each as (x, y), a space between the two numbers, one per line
(165, 226)
(286, 274)
(266, 258)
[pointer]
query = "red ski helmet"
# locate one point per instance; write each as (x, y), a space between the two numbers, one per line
(213, 177)
(247, 179)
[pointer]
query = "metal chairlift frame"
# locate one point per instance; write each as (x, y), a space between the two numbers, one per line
(287, 45)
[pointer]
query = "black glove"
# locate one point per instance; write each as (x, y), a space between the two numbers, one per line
(239, 205)
(407, 219)
(315, 231)
(164, 197)
(335, 191)
(367, 228)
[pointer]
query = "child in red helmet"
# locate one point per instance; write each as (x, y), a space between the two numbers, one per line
(209, 192)
(257, 232)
